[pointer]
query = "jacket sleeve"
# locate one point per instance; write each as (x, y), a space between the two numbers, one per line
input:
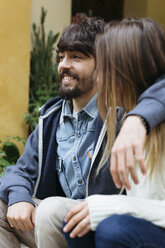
(103, 206)
(151, 104)
(18, 182)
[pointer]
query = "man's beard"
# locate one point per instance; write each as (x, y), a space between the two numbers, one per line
(83, 85)
(69, 93)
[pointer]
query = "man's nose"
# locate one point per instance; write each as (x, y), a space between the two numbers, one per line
(65, 64)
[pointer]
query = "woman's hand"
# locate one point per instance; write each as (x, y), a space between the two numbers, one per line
(127, 151)
(78, 220)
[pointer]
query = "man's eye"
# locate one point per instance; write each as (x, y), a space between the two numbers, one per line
(60, 58)
(76, 57)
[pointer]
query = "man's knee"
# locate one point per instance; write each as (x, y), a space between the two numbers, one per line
(52, 210)
(3, 209)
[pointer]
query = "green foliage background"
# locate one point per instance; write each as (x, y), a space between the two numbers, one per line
(44, 81)
(9, 152)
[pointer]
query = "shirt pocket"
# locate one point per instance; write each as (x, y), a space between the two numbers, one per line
(62, 177)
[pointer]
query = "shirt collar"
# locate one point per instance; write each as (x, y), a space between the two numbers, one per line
(66, 110)
(90, 109)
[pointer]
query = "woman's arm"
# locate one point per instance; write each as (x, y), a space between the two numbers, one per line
(151, 104)
(86, 215)
(101, 206)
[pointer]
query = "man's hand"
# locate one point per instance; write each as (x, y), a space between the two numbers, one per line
(127, 151)
(78, 218)
(21, 216)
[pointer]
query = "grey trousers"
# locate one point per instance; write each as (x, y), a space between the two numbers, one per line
(49, 216)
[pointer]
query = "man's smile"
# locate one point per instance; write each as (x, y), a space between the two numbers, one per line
(66, 80)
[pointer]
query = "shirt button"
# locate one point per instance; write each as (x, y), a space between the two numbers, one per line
(78, 135)
(79, 181)
(74, 158)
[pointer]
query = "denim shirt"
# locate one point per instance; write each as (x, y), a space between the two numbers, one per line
(75, 139)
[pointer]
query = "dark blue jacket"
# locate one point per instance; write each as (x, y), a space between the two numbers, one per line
(35, 172)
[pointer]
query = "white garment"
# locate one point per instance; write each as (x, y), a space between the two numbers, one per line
(145, 200)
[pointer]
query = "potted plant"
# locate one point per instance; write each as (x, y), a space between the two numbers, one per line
(9, 152)
(44, 80)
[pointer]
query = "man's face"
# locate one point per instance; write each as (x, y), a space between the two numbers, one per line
(76, 72)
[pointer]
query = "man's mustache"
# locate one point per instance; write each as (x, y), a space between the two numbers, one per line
(68, 73)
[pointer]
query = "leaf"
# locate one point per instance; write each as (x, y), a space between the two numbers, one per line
(2, 153)
(12, 152)
(4, 162)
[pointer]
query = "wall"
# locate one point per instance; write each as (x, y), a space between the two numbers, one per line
(156, 9)
(145, 8)
(14, 66)
(58, 13)
(135, 8)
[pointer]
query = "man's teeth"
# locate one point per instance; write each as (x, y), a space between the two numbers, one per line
(67, 78)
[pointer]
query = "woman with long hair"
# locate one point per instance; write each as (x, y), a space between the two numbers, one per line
(130, 56)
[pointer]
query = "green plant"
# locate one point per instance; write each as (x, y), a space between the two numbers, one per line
(9, 152)
(44, 80)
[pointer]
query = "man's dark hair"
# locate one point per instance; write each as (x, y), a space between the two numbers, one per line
(81, 36)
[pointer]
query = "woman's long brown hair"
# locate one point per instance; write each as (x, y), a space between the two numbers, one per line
(130, 56)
